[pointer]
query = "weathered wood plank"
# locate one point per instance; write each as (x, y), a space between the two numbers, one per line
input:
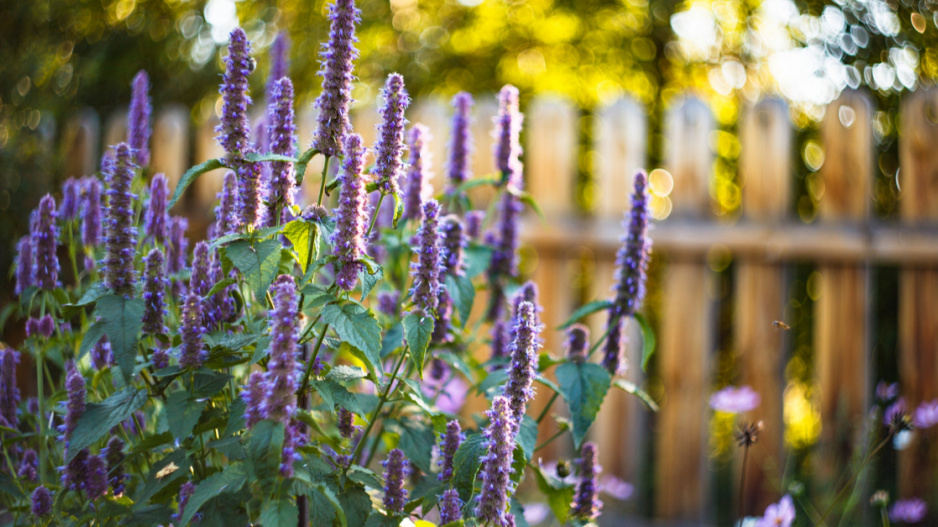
(551, 154)
(621, 146)
(79, 143)
(170, 143)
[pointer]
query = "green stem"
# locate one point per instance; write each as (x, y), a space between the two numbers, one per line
(855, 476)
(549, 441)
(322, 184)
(384, 398)
(602, 338)
(312, 360)
(547, 408)
(742, 485)
(374, 446)
(42, 422)
(885, 516)
(374, 216)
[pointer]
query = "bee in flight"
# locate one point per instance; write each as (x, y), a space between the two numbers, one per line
(778, 324)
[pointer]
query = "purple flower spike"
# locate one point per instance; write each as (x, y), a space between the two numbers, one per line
(178, 244)
(191, 354)
(154, 287)
(91, 212)
(249, 194)
(119, 231)
(524, 352)
(528, 292)
(70, 191)
(507, 147)
(336, 71)
(474, 224)
(200, 281)
(389, 303)
(886, 392)
(45, 236)
(735, 400)
(504, 261)
(253, 397)
(444, 319)
(281, 385)
(459, 168)
(185, 492)
(160, 358)
(586, 503)
(449, 444)
(613, 347)
(926, 415)
(345, 423)
(578, 340)
(895, 413)
(41, 501)
(454, 244)
(9, 393)
(909, 511)
(226, 220)
(390, 145)
(234, 131)
(29, 465)
(450, 507)
(114, 453)
(138, 120)
(156, 217)
(426, 270)
(500, 339)
(96, 483)
(348, 240)
(279, 61)
(281, 132)
(418, 171)
(396, 468)
(24, 264)
(46, 326)
(75, 386)
(101, 354)
(632, 259)
(492, 503)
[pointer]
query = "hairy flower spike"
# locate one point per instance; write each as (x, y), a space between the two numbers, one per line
(226, 219)
(282, 385)
(507, 147)
(114, 453)
(348, 239)
(200, 281)
(253, 397)
(101, 354)
(612, 348)
(185, 492)
(418, 171)
(120, 233)
(91, 212)
(178, 244)
(76, 471)
(24, 264)
(29, 465)
(504, 261)
(396, 469)
(41, 501)
(9, 393)
(138, 119)
(280, 132)
(70, 192)
(492, 502)
(96, 483)
(390, 145)
(449, 444)
(345, 423)
(578, 340)
(279, 61)
(450, 507)
(191, 354)
(234, 131)
(426, 270)
(45, 235)
(524, 351)
(632, 259)
(586, 503)
(156, 217)
(249, 194)
(500, 339)
(459, 169)
(444, 318)
(336, 71)
(454, 244)
(528, 292)
(154, 287)
(160, 358)
(389, 303)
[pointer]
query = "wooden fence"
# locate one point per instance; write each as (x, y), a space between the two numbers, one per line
(843, 244)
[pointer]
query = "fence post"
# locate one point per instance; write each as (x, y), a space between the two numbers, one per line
(551, 155)
(170, 143)
(483, 163)
(765, 171)
(841, 342)
(80, 143)
(434, 114)
(686, 342)
(209, 183)
(621, 148)
(918, 287)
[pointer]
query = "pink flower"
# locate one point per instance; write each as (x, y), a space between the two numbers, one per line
(894, 412)
(617, 488)
(909, 511)
(535, 513)
(735, 400)
(781, 514)
(452, 393)
(926, 415)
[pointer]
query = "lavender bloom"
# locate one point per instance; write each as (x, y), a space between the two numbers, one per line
(735, 400)
(908, 511)
(336, 72)
(156, 216)
(316, 213)
(101, 354)
(41, 501)
(159, 359)
(781, 514)
(449, 444)
(114, 453)
(418, 171)
(496, 464)
(69, 207)
(75, 472)
(578, 340)
(617, 488)
(200, 281)
(91, 212)
(96, 482)
(249, 178)
(153, 288)
(505, 257)
(185, 492)
(632, 259)
(282, 385)
(24, 264)
(191, 354)
(389, 303)
(226, 221)
(396, 469)
(279, 61)
(426, 270)
(474, 224)
(223, 307)
(280, 132)
(528, 292)
(292, 438)
(500, 339)
(454, 243)
(178, 244)
(29, 465)
(32, 327)
(524, 353)
(254, 399)
(895, 414)
(450, 507)
(390, 145)
(348, 239)
(507, 147)
(345, 424)
(612, 348)
(44, 235)
(120, 233)
(138, 120)
(444, 318)
(926, 415)
(886, 392)
(586, 504)
(458, 169)
(234, 132)
(46, 326)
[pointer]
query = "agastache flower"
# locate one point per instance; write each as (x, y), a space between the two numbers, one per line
(75, 473)
(279, 61)
(781, 514)
(492, 502)
(396, 468)
(454, 244)
(504, 261)
(114, 453)
(154, 287)
(70, 192)
(418, 171)
(389, 303)
(253, 397)
(348, 239)
(280, 132)
(185, 492)
(120, 233)
(444, 318)
(500, 339)
(24, 264)
(926, 415)
(578, 339)
(507, 147)
(735, 400)
(160, 358)
(9, 393)
(46, 326)
(281, 386)
(249, 194)
(474, 224)
(524, 353)
(91, 212)
(449, 444)
(345, 423)
(101, 354)
(191, 354)
(459, 170)
(450, 507)
(528, 292)
(156, 216)
(138, 119)
(29, 465)
(586, 503)
(909, 510)
(390, 145)
(96, 482)
(426, 270)
(226, 220)
(632, 259)
(41, 501)
(44, 235)
(200, 281)
(612, 348)
(336, 72)
(234, 131)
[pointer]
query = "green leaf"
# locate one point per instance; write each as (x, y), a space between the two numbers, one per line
(358, 327)
(344, 373)
(208, 382)
(527, 436)
(323, 507)
(356, 503)
(417, 332)
(369, 279)
(648, 340)
(255, 157)
(302, 162)
(559, 495)
(315, 296)
(398, 209)
(417, 441)
(463, 294)
(123, 320)
(190, 176)
(265, 450)
(466, 465)
(258, 263)
(334, 394)
(529, 200)
(303, 235)
(584, 387)
(477, 182)
(219, 286)
(632, 389)
(380, 520)
(393, 339)
(99, 418)
(477, 259)
(230, 480)
(278, 512)
(585, 310)
(493, 379)
(366, 477)
(154, 485)
(92, 336)
(182, 413)
(9, 487)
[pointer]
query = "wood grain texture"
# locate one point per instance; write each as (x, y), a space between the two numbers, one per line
(79, 143)
(169, 144)
(620, 141)
(689, 156)
(209, 183)
(551, 153)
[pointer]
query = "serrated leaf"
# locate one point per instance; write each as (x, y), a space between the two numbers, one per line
(559, 495)
(164, 471)
(94, 334)
(123, 320)
(358, 327)
(466, 465)
(366, 477)
(344, 373)
(219, 286)
(631, 389)
(586, 310)
(493, 379)
(98, 418)
(182, 413)
(417, 441)
(258, 263)
(527, 436)
(648, 340)
(417, 333)
(463, 295)
(369, 280)
(356, 503)
(278, 512)
(230, 480)
(190, 176)
(302, 234)
(208, 382)
(584, 387)
(334, 394)
(265, 450)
